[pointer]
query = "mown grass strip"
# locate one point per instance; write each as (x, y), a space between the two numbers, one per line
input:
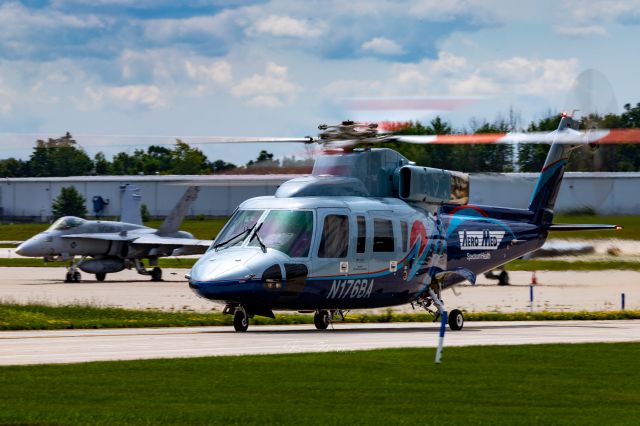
(516, 265)
(203, 229)
(585, 384)
(578, 265)
(43, 317)
(167, 262)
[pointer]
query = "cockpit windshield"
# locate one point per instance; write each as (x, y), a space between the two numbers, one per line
(236, 230)
(66, 222)
(288, 231)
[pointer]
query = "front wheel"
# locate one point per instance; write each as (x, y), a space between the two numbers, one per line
(100, 276)
(321, 319)
(156, 274)
(240, 320)
(76, 277)
(456, 320)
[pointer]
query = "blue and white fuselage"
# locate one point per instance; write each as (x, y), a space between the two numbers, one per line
(369, 229)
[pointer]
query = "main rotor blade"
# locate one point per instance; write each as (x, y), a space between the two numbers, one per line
(571, 137)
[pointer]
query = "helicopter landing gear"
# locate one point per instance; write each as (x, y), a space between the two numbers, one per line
(73, 275)
(240, 319)
(455, 318)
(100, 276)
(322, 319)
(240, 316)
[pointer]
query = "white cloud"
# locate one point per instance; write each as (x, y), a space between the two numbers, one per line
(15, 19)
(217, 71)
(5, 98)
(452, 75)
(269, 89)
(128, 97)
(581, 31)
(584, 19)
(286, 26)
(382, 46)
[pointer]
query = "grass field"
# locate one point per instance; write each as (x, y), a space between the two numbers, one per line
(587, 384)
(209, 228)
(202, 229)
(516, 265)
(43, 317)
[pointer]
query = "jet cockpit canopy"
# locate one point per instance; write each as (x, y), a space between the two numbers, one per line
(66, 222)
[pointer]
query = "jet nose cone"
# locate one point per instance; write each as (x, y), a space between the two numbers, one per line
(29, 248)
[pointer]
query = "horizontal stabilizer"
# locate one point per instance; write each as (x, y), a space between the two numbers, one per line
(453, 276)
(582, 227)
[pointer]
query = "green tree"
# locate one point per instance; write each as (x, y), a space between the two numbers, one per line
(12, 167)
(125, 164)
(58, 157)
(265, 159)
(221, 165)
(69, 203)
(188, 160)
(101, 164)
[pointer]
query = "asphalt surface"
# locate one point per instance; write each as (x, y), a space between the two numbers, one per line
(73, 346)
(556, 291)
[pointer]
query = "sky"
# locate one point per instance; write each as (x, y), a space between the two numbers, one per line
(279, 68)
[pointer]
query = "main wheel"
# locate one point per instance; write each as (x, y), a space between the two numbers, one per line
(503, 278)
(156, 274)
(456, 320)
(240, 320)
(68, 278)
(76, 277)
(100, 276)
(321, 319)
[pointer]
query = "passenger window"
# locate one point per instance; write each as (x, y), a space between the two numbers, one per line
(405, 233)
(335, 237)
(362, 234)
(383, 240)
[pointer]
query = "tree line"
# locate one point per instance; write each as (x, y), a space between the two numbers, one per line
(62, 156)
(526, 157)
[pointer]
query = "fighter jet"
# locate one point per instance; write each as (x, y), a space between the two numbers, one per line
(107, 247)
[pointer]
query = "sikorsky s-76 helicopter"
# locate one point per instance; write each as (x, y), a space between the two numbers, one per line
(369, 229)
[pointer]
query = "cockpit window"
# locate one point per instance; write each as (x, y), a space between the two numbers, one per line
(240, 223)
(66, 222)
(288, 231)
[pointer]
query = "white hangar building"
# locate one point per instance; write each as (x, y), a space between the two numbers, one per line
(31, 198)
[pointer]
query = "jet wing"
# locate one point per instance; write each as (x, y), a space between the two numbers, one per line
(168, 241)
(108, 236)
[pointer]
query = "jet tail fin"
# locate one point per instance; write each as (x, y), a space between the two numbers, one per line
(130, 199)
(174, 220)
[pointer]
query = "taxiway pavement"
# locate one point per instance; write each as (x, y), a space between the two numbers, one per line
(72, 346)
(556, 291)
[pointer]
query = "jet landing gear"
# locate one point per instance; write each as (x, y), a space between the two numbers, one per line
(73, 275)
(156, 272)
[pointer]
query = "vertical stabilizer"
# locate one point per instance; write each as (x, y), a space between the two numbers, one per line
(130, 204)
(544, 195)
(173, 222)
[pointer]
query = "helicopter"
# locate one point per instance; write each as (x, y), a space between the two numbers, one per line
(370, 229)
